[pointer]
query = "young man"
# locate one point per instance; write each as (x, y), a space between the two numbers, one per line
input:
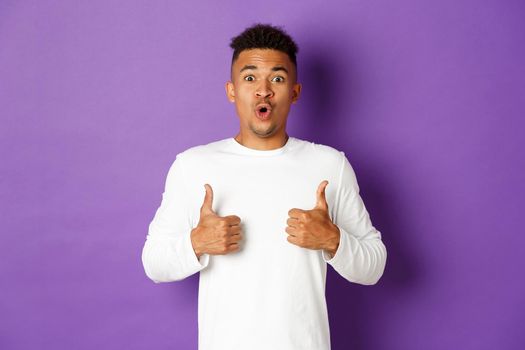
(260, 215)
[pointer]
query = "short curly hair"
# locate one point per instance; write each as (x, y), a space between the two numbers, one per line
(264, 36)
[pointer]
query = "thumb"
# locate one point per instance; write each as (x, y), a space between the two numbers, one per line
(208, 201)
(321, 196)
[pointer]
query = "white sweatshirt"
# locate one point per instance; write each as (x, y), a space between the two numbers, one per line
(271, 293)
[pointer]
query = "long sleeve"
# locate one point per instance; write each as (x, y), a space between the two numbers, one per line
(361, 255)
(168, 254)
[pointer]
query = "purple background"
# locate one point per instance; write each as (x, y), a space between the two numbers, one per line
(425, 98)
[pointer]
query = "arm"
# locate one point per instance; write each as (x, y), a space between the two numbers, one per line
(361, 255)
(168, 253)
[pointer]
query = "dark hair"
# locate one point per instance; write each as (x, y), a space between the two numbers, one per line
(264, 36)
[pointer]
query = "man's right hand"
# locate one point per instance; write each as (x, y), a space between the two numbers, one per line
(215, 235)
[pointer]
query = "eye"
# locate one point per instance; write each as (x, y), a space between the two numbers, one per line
(249, 78)
(278, 79)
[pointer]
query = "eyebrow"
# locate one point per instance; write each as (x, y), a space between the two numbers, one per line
(274, 69)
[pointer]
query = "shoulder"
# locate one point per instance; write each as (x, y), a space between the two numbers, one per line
(320, 152)
(203, 150)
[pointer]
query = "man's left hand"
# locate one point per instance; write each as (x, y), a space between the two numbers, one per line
(313, 229)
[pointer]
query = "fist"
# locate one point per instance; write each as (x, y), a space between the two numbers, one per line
(313, 229)
(214, 234)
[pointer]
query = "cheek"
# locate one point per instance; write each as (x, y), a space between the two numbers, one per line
(286, 97)
(244, 97)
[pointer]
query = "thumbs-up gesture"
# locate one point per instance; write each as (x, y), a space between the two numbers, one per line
(215, 235)
(313, 229)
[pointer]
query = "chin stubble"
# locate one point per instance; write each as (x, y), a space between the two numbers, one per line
(266, 133)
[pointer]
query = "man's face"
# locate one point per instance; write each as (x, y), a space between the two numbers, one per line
(263, 87)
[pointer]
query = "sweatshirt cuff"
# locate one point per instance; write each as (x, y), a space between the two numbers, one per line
(341, 249)
(192, 263)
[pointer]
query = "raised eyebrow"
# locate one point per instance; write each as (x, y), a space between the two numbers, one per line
(280, 68)
(247, 67)
(274, 69)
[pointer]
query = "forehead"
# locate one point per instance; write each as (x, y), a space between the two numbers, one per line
(262, 58)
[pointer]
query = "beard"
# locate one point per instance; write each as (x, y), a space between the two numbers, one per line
(263, 131)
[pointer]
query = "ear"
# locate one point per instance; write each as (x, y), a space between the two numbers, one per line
(230, 91)
(296, 92)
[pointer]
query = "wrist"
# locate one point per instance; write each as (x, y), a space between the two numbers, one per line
(194, 244)
(333, 242)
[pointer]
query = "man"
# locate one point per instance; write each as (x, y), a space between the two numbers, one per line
(261, 214)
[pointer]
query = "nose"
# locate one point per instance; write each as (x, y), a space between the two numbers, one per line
(264, 90)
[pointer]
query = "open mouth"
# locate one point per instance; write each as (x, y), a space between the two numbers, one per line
(263, 112)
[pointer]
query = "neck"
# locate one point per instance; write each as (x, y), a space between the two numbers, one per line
(261, 143)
